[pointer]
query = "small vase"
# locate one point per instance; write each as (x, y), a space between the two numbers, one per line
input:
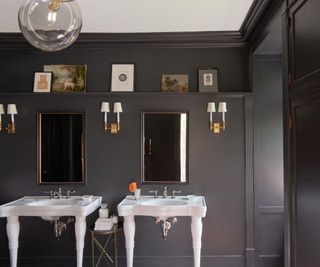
(137, 193)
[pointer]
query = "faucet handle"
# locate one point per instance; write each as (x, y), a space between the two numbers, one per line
(70, 192)
(175, 192)
(49, 192)
(155, 192)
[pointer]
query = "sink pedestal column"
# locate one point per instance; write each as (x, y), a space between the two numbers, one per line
(80, 228)
(129, 228)
(196, 231)
(13, 229)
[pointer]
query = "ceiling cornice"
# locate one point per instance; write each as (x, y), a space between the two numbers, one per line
(259, 12)
(152, 40)
(241, 38)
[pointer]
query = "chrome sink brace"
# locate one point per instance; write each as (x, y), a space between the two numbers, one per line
(166, 224)
(59, 226)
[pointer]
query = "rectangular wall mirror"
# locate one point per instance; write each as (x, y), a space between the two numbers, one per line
(164, 147)
(61, 148)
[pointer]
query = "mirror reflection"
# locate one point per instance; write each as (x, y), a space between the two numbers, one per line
(61, 148)
(164, 147)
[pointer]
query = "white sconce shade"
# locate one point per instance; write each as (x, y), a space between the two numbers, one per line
(12, 109)
(222, 107)
(105, 107)
(117, 107)
(211, 107)
(2, 109)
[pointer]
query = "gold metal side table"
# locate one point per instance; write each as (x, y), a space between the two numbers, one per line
(108, 238)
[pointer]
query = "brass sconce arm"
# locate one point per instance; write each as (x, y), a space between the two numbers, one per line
(217, 127)
(114, 128)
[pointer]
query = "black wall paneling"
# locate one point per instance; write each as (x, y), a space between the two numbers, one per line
(268, 160)
(210, 157)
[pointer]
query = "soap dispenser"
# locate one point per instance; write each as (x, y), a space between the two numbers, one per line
(104, 211)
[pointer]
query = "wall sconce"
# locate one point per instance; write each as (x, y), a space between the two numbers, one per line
(217, 127)
(12, 110)
(117, 108)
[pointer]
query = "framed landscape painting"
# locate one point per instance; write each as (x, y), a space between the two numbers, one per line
(68, 78)
(175, 83)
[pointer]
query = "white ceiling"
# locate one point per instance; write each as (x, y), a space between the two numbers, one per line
(112, 16)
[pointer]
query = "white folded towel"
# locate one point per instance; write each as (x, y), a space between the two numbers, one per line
(103, 224)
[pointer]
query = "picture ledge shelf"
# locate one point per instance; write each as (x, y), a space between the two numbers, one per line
(125, 93)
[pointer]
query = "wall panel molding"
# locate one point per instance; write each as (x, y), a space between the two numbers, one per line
(250, 224)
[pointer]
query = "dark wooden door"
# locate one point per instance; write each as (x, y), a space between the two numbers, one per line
(303, 97)
(306, 180)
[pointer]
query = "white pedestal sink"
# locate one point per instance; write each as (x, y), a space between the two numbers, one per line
(163, 208)
(46, 208)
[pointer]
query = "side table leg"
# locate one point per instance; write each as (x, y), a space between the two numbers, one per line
(92, 247)
(115, 250)
(196, 231)
(80, 227)
(13, 229)
(129, 231)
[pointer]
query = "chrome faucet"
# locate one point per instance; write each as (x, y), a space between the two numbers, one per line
(165, 192)
(70, 192)
(57, 194)
(174, 192)
(155, 192)
(49, 192)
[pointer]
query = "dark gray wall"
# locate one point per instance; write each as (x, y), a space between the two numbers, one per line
(18, 65)
(216, 162)
(113, 161)
(268, 160)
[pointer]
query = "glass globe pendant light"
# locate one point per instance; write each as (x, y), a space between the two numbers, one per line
(50, 25)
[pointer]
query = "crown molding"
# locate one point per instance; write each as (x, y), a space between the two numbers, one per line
(260, 12)
(144, 40)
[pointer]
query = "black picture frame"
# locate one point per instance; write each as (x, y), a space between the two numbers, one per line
(208, 80)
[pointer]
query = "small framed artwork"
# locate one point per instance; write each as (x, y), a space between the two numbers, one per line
(175, 83)
(42, 82)
(68, 78)
(122, 78)
(208, 80)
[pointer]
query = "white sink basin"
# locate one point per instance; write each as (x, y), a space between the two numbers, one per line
(163, 202)
(54, 202)
(43, 206)
(150, 206)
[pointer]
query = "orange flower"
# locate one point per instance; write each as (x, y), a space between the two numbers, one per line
(132, 187)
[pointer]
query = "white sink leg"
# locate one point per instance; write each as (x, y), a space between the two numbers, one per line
(196, 231)
(129, 231)
(80, 228)
(13, 229)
